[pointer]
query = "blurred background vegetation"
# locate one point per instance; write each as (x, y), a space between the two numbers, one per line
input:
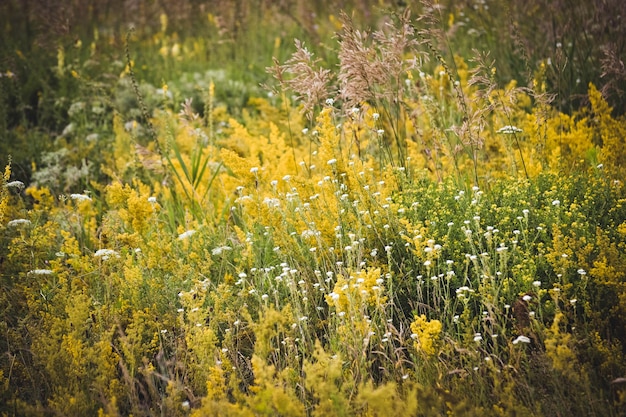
(57, 53)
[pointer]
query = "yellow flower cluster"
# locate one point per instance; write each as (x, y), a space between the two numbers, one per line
(357, 291)
(426, 335)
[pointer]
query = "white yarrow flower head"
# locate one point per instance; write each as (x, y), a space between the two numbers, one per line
(186, 234)
(18, 222)
(220, 249)
(105, 254)
(40, 272)
(152, 200)
(80, 197)
(509, 130)
(332, 161)
(15, 184)
(521, 339)
(330, 101)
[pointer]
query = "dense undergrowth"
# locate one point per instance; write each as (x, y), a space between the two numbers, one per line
(385, 230)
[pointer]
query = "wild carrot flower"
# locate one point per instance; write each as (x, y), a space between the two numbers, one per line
(105, 254)
(186, 234)
(508, 130)
(41, 272)
(80, 197)
(220, 249)
(15, 184)
(18, 222)
(521, 339)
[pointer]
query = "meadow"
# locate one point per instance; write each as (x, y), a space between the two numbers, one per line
(327, 208)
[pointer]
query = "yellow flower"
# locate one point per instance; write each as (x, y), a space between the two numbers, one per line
(426, 335)
(360, 289)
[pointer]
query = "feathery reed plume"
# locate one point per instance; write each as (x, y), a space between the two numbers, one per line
(371, 65)
(310, 84)
(613, 71)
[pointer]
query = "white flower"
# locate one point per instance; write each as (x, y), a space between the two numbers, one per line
(152, 200)
(271, 202)
(508, 129)
(186, 234)
(556, 203)
(218, 251)
(330, 101)
(522, 339)
(305, 131)
(17, 222)
(105, 254)
(332, 161)
(254, 170)
(463, 289)
(80, 197)
(15, 184)
(306, 234)
(40, 272)
(478, 337)
(527, 298)
(537, 283)
(581, 272)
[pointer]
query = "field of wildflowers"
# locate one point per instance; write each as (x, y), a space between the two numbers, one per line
(289, 210)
